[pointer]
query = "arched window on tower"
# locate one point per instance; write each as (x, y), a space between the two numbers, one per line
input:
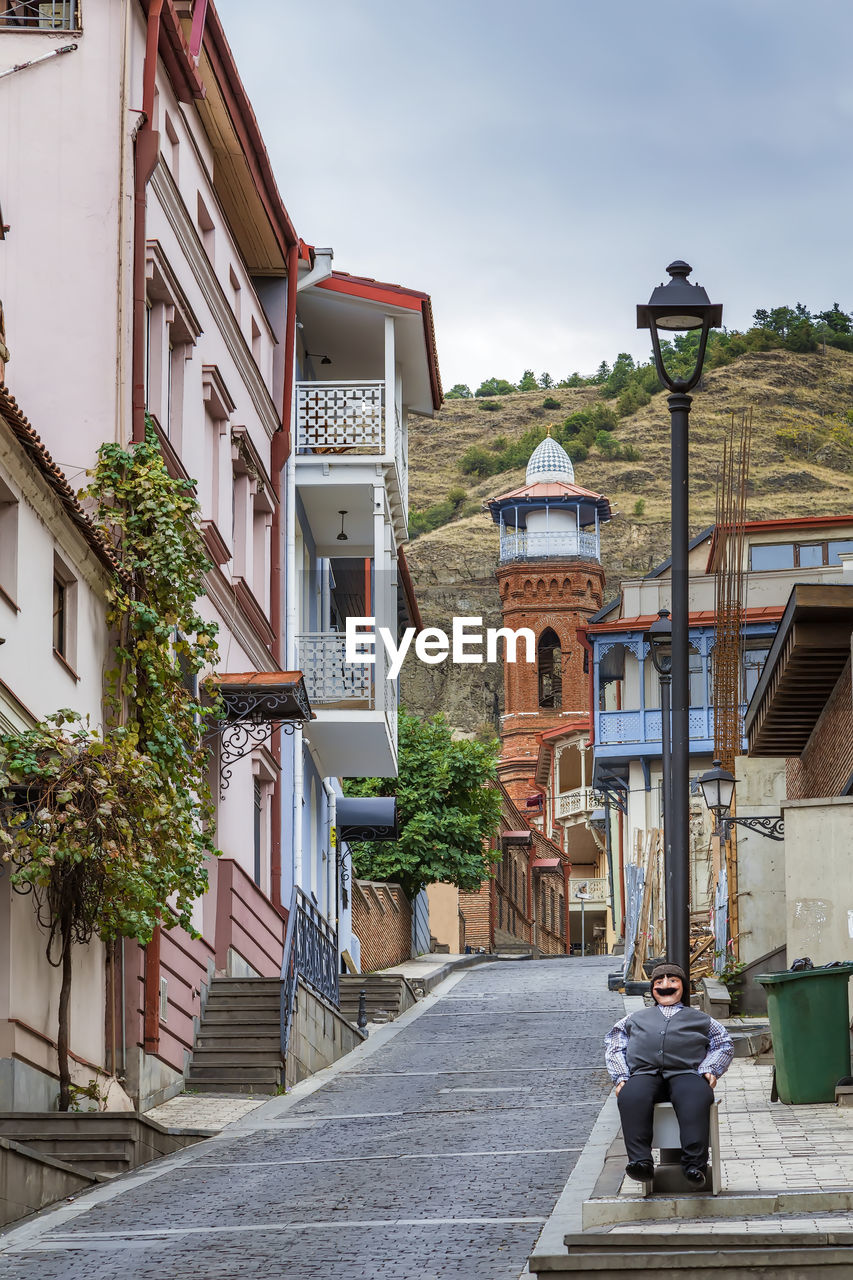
(550, 669)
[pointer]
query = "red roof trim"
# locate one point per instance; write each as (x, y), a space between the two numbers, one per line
(398, 296)
(700, 618)
(374, 290)
(781, 525)
(549, 489)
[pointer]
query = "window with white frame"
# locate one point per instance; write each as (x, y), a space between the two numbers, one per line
(8, 544)
(64, 631)
(171, 332)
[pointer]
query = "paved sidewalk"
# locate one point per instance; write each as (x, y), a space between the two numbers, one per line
(785, 1170)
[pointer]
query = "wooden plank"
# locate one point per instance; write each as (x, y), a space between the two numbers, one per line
(645, 912)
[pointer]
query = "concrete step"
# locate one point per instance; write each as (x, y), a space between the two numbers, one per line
(223, 1038)
(235, 1073)
(246, 1060)
(234, 1087)
(241, 1016)
(698, 1255)
(250, 985)
(251, 1000)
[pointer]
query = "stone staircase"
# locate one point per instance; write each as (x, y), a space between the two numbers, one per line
(237, 1047)
(387, 996)
(93, 1143)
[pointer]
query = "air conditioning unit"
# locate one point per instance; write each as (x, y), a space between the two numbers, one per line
(164, 999)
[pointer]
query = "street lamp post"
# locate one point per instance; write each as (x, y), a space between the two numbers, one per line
(673, 308)
(582, 897)
(659, 637)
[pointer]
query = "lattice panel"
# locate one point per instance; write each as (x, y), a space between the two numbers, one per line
(328, 676)
(596, 887)
(620, 726)
(340, 415)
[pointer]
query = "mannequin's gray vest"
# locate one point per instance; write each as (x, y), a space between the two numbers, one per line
(671, 1046)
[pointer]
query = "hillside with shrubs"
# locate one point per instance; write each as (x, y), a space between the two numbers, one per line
(792, 370)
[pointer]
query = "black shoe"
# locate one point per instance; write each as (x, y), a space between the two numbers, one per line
(695, 1175)
(640, 1170)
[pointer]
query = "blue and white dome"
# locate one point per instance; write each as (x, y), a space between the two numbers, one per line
(549, 461)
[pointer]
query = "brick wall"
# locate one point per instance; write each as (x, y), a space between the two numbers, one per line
(561, 595)
(826, 764)
(475, 909)
(382, 922)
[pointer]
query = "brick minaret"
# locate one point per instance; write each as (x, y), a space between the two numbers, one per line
(550, 580)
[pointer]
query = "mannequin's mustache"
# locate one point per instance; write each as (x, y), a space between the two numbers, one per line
(665, 991)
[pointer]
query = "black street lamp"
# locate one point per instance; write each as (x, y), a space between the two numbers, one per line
(718, 789)
(674, 308)
(659, 637)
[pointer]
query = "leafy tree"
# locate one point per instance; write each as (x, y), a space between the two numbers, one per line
(446, 809)
(574, 380)
(478, 461)
(109, 830)
(836, 319)
(546, 382)
(459, 391)
(440, 513)
(528, 381)
(550, 403)
(601, 374)
(494, 387)
(619, 376)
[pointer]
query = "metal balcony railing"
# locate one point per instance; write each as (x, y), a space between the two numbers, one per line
(39, 15)
(310, 953)
(328, 675)
(340, 417)
(571, 804)
(521, 545)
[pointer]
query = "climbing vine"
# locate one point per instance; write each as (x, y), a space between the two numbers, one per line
(109, 829)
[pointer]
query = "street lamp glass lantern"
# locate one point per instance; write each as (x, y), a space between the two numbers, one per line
(679, 307)
(718, 788)
(659, 636)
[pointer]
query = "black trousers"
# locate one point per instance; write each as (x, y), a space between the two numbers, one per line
(691, 1096)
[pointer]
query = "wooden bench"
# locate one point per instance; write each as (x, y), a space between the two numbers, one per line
(667, 1139)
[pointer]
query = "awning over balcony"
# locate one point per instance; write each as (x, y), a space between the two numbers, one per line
(809, 653)
(264, 696)
(367, 818)
(547, 864)
(517, 837)
(255, 705)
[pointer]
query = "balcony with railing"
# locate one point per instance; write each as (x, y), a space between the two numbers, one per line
(578, 803)
(521, 544)
(355, 717)
(595, 889)
(343, 430)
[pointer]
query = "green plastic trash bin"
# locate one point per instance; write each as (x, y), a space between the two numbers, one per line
(810, 1026)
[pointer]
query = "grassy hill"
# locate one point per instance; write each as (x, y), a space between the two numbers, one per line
(809, 471)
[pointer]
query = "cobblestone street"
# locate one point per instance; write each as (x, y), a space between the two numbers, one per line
(437, 1157)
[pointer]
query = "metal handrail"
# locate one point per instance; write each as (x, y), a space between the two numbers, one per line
(310, 953)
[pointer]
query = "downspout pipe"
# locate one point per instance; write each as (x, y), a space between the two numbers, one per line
(279, 456)
(145, 154)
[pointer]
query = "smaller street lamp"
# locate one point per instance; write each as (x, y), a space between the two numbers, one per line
(582, 895)
(718, 789)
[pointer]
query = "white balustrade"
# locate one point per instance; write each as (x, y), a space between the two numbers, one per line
(328, 675)
(341, 416)
(518, 544)
(595, 889)
(571, 804)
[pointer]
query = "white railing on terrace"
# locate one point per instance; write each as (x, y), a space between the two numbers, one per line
(521, 545)
(44, 15)
(341, 416)
(571, 804)
(596, 890)
(390, 702)
(328, 675)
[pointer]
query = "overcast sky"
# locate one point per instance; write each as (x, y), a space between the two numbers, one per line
(534, 167)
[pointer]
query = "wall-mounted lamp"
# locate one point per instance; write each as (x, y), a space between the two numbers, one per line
(718, 789)
(315, 355)
(342, 537)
